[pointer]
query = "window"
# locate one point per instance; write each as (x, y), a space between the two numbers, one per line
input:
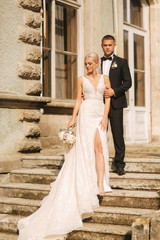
(46, 49)
(126, 55)
(136, 13)
(132, 12)
(139, 71)
(59, 47)
(136, 51)
(134, 45)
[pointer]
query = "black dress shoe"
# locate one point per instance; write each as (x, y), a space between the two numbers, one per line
(120, 171)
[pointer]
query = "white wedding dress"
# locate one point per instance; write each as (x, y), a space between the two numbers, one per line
(75, 190)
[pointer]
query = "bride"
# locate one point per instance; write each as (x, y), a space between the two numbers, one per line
(85, 172)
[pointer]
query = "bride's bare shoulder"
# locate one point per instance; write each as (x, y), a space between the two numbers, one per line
(80, 80)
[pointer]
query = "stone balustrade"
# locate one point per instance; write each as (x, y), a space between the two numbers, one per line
(147, 227)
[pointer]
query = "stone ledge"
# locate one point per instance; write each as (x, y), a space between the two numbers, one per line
(22, 101)
(34, 5)
(61, 103)
(10, 162)
(59, 107)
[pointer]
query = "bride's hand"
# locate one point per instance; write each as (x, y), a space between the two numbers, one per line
(71, 124)
(103, 124)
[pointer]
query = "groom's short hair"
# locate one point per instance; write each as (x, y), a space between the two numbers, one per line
(108, 37)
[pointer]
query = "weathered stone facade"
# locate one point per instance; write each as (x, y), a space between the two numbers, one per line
(30, 71)
(20, 100)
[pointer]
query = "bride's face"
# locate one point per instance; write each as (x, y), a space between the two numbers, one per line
(90, 65)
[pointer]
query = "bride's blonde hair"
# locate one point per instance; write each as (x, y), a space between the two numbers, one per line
(94, 56)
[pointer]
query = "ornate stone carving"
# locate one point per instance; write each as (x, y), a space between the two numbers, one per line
(28, 145)
(29, 35)
(28, 115)
(33, 54)
(34, 5)
(33, 19)
(31, 129)
(33, 87)
(28, 70)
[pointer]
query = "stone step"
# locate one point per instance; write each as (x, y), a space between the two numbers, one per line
(131, 199)
(143, 181)
(117, 215)
(38, 175)
(103, 214)
(18, 206)
(130, 181)
(143, 165)
(8, 223)
(42, 161)
(116, 198)
(24, 190)
(8, 236)
(92, 231)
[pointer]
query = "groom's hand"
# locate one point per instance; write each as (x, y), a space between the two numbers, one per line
(108, 92)
(83, 96)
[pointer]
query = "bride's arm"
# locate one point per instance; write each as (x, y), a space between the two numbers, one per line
(107, 105)
(77, 103)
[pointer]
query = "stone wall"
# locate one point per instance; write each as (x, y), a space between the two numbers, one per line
(29, 33)
(102, 18)
(11, 51)
(20, 81)
(56, 115)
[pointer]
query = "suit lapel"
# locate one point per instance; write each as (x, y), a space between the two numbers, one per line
(101, 66)
(110, 70)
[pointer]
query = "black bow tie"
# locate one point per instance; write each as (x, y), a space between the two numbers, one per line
(106, 58)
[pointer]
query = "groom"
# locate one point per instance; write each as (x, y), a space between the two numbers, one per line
(118, 71)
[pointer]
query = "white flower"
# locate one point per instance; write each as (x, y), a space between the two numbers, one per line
(60, 135)
(114, 65)
(67, 136)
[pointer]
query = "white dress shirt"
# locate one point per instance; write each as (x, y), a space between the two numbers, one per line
(106, 66)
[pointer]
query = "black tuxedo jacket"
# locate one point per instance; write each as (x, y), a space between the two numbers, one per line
(120, 79)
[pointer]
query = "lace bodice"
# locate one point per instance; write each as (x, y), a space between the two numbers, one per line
(89, 90)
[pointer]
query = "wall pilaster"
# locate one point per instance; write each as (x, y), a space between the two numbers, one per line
(155, 70)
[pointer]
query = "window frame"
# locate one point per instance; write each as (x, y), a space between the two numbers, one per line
(77, 5)
(135, 132)
(128, 22)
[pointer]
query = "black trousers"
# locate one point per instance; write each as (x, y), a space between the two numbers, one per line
(116, 120)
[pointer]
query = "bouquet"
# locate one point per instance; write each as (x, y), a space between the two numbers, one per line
(67, 136)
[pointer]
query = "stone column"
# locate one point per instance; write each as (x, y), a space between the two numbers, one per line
(155, 227)
(140, 229)
(155, 70)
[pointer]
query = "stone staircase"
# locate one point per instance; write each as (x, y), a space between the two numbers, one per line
(134, 194)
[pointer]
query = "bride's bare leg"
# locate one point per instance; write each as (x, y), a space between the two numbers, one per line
(100, 167)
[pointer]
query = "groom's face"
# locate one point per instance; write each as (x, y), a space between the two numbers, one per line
(108, 47)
